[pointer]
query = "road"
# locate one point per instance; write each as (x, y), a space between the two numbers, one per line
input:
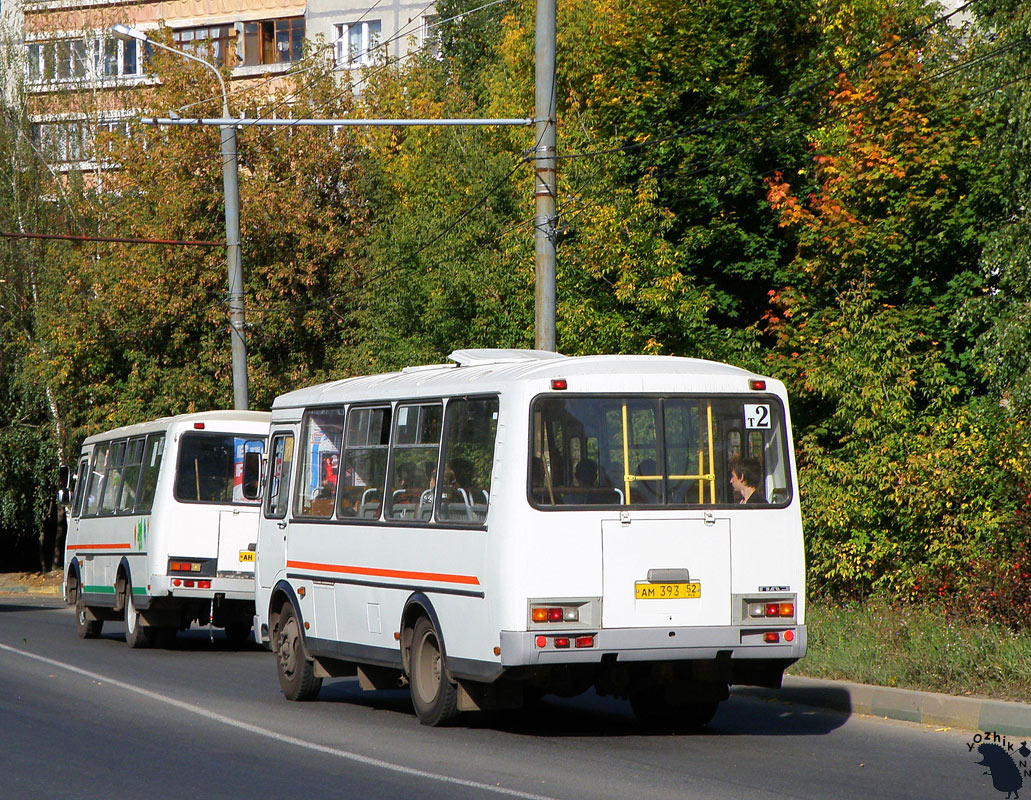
(92, 719)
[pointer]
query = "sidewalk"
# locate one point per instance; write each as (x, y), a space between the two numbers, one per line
(972, 713)
(46, 583)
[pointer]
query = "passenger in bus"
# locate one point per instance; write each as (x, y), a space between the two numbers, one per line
(588, 491)
(745, 477)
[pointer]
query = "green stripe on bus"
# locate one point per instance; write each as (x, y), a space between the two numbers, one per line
(111, 589)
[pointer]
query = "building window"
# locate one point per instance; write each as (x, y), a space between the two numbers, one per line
(356, 42)
(273, 41)
(431, 35)
(78, 60)
(213, 43)
(60, 142)
(74, 141)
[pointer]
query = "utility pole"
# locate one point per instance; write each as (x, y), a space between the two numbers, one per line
(544, 182)
(231, 187)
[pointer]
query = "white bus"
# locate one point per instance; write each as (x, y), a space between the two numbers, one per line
(159, 531)
(519, 523)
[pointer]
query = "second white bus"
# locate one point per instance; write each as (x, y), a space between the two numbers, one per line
(519, 523)
(160, 534)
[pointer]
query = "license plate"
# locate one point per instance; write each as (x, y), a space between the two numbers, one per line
(246, 555)
(668, 591)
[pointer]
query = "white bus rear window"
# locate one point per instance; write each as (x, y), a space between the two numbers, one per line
(657, 451)
(210, 468)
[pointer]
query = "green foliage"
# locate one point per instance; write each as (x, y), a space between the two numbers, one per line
(998, 67)
(904, 473)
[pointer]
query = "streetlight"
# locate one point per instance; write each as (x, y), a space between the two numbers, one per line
(231, 188)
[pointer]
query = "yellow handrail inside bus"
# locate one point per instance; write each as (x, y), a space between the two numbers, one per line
(701, 477)
(712, 459)
(627, 477)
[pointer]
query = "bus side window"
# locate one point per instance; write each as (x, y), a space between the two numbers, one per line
(152, 453)
(131, 476)
(96, 479)
(318, 468)
(80, 487)
(280, 467)
(416, 447)
(113, 480)
(363, 469)
(471, 427)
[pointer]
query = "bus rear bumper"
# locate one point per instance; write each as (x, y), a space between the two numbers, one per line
(229, 588)
(521, 648)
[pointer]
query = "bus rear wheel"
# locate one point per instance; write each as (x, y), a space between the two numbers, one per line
(137, 635)
(296, 670)
(434, 694)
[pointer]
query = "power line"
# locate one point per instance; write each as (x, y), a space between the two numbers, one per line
(116, 239)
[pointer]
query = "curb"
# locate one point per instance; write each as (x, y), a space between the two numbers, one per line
(50, 591)
(971, 713)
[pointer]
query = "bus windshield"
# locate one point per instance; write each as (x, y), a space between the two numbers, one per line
(646, 450)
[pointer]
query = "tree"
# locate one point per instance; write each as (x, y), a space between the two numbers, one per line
(32, 415)
(142, 331)
(998, 68)
(905, 470)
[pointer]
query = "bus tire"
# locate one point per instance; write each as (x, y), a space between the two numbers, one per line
(137, 635)
(434, 694)
(296, 670)
(85, 627)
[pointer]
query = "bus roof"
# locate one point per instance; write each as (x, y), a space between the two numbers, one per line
(220, 417)
(484, 370)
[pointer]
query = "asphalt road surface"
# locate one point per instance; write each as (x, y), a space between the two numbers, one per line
(94, 719)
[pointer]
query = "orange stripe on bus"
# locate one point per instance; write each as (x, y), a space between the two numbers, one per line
(385, 573)
(118, 546)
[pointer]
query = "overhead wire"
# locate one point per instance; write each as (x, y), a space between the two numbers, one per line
(702, 167)
(382, 274)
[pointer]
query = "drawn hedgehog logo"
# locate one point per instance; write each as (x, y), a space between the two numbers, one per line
(998, 763)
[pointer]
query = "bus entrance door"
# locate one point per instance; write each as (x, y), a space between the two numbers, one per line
(237, 540)
(673, 572)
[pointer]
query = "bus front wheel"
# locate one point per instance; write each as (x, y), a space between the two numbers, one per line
(296, 670)
(434, 695)
(86, 628)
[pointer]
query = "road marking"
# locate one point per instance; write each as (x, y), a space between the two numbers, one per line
(279, 737)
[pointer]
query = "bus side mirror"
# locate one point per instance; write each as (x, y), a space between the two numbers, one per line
(251, 476)
(64, 493)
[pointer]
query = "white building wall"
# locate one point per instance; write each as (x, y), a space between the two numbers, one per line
(361, 33)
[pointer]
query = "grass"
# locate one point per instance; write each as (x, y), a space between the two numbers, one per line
(916, 648)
